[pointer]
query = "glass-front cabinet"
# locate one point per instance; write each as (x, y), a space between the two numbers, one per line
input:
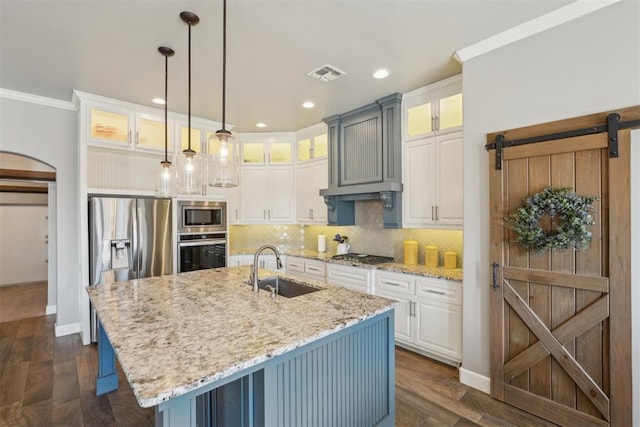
(109, 126)
(312, 143)
(150, 133)
(433, 109)
(122, 128)
(267, 149)
(201, 131)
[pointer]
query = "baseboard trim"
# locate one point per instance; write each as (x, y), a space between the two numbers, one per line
(71, 328)
(51, 309)
(477, 381)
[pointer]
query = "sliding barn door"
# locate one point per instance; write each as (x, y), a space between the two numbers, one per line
(556, 316)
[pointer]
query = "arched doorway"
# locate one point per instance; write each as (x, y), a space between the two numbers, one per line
(28, 282)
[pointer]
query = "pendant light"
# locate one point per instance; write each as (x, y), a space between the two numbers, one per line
(224, 163)
(189, 162)
(165, 180)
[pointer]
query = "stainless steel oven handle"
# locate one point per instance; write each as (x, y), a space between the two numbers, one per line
(200, 243)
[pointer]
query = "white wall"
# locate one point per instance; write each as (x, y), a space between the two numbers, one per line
(588, 65)
(49, 134)
(23, 252)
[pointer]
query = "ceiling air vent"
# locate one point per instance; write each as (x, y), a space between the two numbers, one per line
(326, 73)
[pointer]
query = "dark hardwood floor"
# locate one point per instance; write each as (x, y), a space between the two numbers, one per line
(22, 301)
(48, 381)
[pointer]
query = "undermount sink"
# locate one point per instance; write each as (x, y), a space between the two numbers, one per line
(286, 287)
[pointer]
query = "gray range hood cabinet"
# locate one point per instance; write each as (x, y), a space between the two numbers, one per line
(365, 161)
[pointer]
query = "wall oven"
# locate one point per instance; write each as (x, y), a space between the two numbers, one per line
(202, 235)
(200, 251)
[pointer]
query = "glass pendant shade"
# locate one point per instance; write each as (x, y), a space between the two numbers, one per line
(165, 181)
(189, 162)
(189, 173)
(224, 160)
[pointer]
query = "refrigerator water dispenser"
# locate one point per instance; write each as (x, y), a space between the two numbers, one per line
(120, 250)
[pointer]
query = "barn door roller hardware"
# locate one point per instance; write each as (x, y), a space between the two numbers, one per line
(612, 127)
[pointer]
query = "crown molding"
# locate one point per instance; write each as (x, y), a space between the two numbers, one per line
(36, 99)
(537, 25)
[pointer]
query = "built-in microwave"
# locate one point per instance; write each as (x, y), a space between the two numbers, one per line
(201, 216)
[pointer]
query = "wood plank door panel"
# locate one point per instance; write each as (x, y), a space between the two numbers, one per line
(551, 312)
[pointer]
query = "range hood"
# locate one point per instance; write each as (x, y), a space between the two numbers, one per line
(365, 161)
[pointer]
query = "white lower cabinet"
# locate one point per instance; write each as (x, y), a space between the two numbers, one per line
(237, 260)
(304, 267)
(354, 278)
(265, 261)
(428, 318)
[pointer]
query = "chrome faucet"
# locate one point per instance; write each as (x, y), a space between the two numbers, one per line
(254, 268)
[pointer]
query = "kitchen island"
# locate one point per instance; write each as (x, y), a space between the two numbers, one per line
(204, 349)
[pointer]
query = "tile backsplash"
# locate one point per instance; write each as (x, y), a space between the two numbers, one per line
(367, 237)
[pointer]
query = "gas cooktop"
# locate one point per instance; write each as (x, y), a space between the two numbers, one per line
(363, 258)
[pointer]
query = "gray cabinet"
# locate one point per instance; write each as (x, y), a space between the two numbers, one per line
(365, 161)
(361, 148)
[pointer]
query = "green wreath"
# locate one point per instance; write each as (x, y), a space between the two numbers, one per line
(570, 215)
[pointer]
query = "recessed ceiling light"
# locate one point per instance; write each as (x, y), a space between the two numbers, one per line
(261, 125)
(308, 104)
(380, 74)
(158, 101)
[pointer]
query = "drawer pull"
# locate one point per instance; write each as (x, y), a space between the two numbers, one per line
(315, 269)
(436, 292)
(386, 282)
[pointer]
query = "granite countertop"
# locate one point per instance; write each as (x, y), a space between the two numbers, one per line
(397, 267)
(175, 333)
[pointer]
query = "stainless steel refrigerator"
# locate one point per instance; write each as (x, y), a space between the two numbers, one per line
(129, 238)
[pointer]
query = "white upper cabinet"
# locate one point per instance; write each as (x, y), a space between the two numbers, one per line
(310, 178)
(267, 148)
(312, 143)
(267, 195)
(432, 155)
(118, 125)
(432, 169)
(122, 143)
(433, 109)
(200, 133)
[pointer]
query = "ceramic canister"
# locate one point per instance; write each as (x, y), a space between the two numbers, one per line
(410, 252)
(450, 259)
(431, 256)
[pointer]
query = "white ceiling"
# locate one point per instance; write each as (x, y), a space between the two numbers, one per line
(109, 48)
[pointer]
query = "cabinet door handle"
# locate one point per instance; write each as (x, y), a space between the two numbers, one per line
(236, 213)
(411, 311)
(129, 138)
(269, 157)
(310, 213)
(433, 124)
(268, 213)
(315, 269)
(386, 282)
(436, 212)
(436, 292)
(137, 137)
(433, 217)
(264, 214)
(437, 122)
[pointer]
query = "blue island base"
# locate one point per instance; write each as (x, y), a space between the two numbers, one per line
(346, 378)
